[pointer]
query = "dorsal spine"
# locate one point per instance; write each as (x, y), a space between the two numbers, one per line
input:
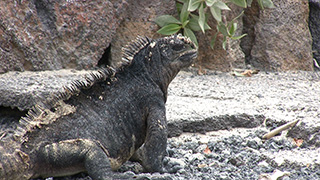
(36, 116)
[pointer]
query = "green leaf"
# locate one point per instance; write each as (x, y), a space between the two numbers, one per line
(224, 43)
(169, 29)
(202, 18)
(238, 37)
(233, 29)
(223, 29)
(260, 4)
(265, 3)
(166, 19)
(241, 3)
(238, 16)
(234, 19)
(209, 3)
(193, 5)
(184, 14)
(182, 1)
(188, 32)
(213, 41)
(221, 5)
(216, 13)
(194, 25)
(268, 3)
(185, 23)
(179, 7)
(206, 25)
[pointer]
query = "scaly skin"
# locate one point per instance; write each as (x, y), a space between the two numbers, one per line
(99, 128)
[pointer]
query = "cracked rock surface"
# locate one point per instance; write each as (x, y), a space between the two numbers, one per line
(23, 90)
(275, 98)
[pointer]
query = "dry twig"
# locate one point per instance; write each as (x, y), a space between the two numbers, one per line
(280, 129)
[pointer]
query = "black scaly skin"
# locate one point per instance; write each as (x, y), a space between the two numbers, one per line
(97, 125)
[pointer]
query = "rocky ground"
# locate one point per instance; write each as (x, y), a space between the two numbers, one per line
(216, 122)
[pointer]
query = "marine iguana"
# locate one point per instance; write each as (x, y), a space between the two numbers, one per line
(96, 125)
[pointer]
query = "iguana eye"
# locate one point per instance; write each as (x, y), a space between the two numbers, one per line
(178, 47)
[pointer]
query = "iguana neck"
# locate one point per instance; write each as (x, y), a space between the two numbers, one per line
(153, 67)
(163, 80)
(163, 76)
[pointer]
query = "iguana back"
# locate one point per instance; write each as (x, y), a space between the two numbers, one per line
(98, 124)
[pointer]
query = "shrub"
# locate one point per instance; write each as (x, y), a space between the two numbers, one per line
(193, 17)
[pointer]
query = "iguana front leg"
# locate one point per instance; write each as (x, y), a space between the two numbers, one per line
(152, 152)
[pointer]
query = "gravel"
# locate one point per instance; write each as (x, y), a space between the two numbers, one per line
(235, 154)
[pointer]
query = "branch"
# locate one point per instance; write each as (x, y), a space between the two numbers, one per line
(280, 129)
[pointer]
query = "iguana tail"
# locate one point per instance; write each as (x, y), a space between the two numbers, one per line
(14, 164)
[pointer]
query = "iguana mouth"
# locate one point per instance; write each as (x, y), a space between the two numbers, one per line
(189, 55)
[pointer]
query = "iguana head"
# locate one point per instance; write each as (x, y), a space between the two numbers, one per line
(161, 59)
(176, 51)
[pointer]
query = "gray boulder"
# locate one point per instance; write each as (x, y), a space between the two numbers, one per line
(47, 34)
(282, 40)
